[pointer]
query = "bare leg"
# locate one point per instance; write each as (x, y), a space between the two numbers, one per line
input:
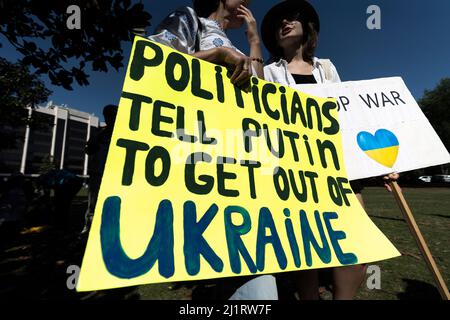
(360, 199)
(307, 284)
(347, 281)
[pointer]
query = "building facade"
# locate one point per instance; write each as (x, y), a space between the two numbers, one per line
(60, 139)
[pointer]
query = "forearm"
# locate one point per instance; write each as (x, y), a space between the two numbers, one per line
(214, 55)
(253, 40)
(256, 52)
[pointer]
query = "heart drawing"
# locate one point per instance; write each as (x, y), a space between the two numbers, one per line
(381, 147)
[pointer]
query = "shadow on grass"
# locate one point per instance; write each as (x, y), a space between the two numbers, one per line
(128, 293)
(34, 261)
(440, 216)
(419, 290)
(386, 218)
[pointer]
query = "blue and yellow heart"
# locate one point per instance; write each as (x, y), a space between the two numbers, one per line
(381, 147)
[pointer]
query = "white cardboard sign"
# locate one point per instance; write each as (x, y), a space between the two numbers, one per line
(384, 130)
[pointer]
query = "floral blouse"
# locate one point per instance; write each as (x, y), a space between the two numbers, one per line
(184, 31)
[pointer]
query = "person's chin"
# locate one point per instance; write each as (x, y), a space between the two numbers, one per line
(288, 40)
(290, 34)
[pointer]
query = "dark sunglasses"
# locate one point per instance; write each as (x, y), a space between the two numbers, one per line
(288, 16)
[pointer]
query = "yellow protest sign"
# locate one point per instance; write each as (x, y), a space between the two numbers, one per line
(205, 180)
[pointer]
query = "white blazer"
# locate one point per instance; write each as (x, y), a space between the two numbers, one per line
(324, 71)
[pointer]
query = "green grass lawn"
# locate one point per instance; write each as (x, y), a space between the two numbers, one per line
(408, 277)
(34, 259)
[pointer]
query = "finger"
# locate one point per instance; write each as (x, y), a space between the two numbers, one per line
(242, 10)
(240, 16)
(247, 10)
(244, 84)
(242, 7)
(391, 177)
(244, 76)
(245, 17)
(236, 73)
(394, 176)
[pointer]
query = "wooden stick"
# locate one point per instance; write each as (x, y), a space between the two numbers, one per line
(407, 214)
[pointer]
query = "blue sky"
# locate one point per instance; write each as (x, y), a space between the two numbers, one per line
(414, 43)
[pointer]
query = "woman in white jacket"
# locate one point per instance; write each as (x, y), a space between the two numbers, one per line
(290, 32)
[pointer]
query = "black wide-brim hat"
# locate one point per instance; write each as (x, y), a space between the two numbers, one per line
(268, 26)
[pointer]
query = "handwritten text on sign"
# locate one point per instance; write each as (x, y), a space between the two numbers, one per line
(383, 128)
(206, 180)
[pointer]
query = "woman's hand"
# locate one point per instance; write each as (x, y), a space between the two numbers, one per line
(253, 39)
(252, 28)
(239, 64)
(390, 177)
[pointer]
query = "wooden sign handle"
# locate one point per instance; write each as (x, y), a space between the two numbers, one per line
(407, 214)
